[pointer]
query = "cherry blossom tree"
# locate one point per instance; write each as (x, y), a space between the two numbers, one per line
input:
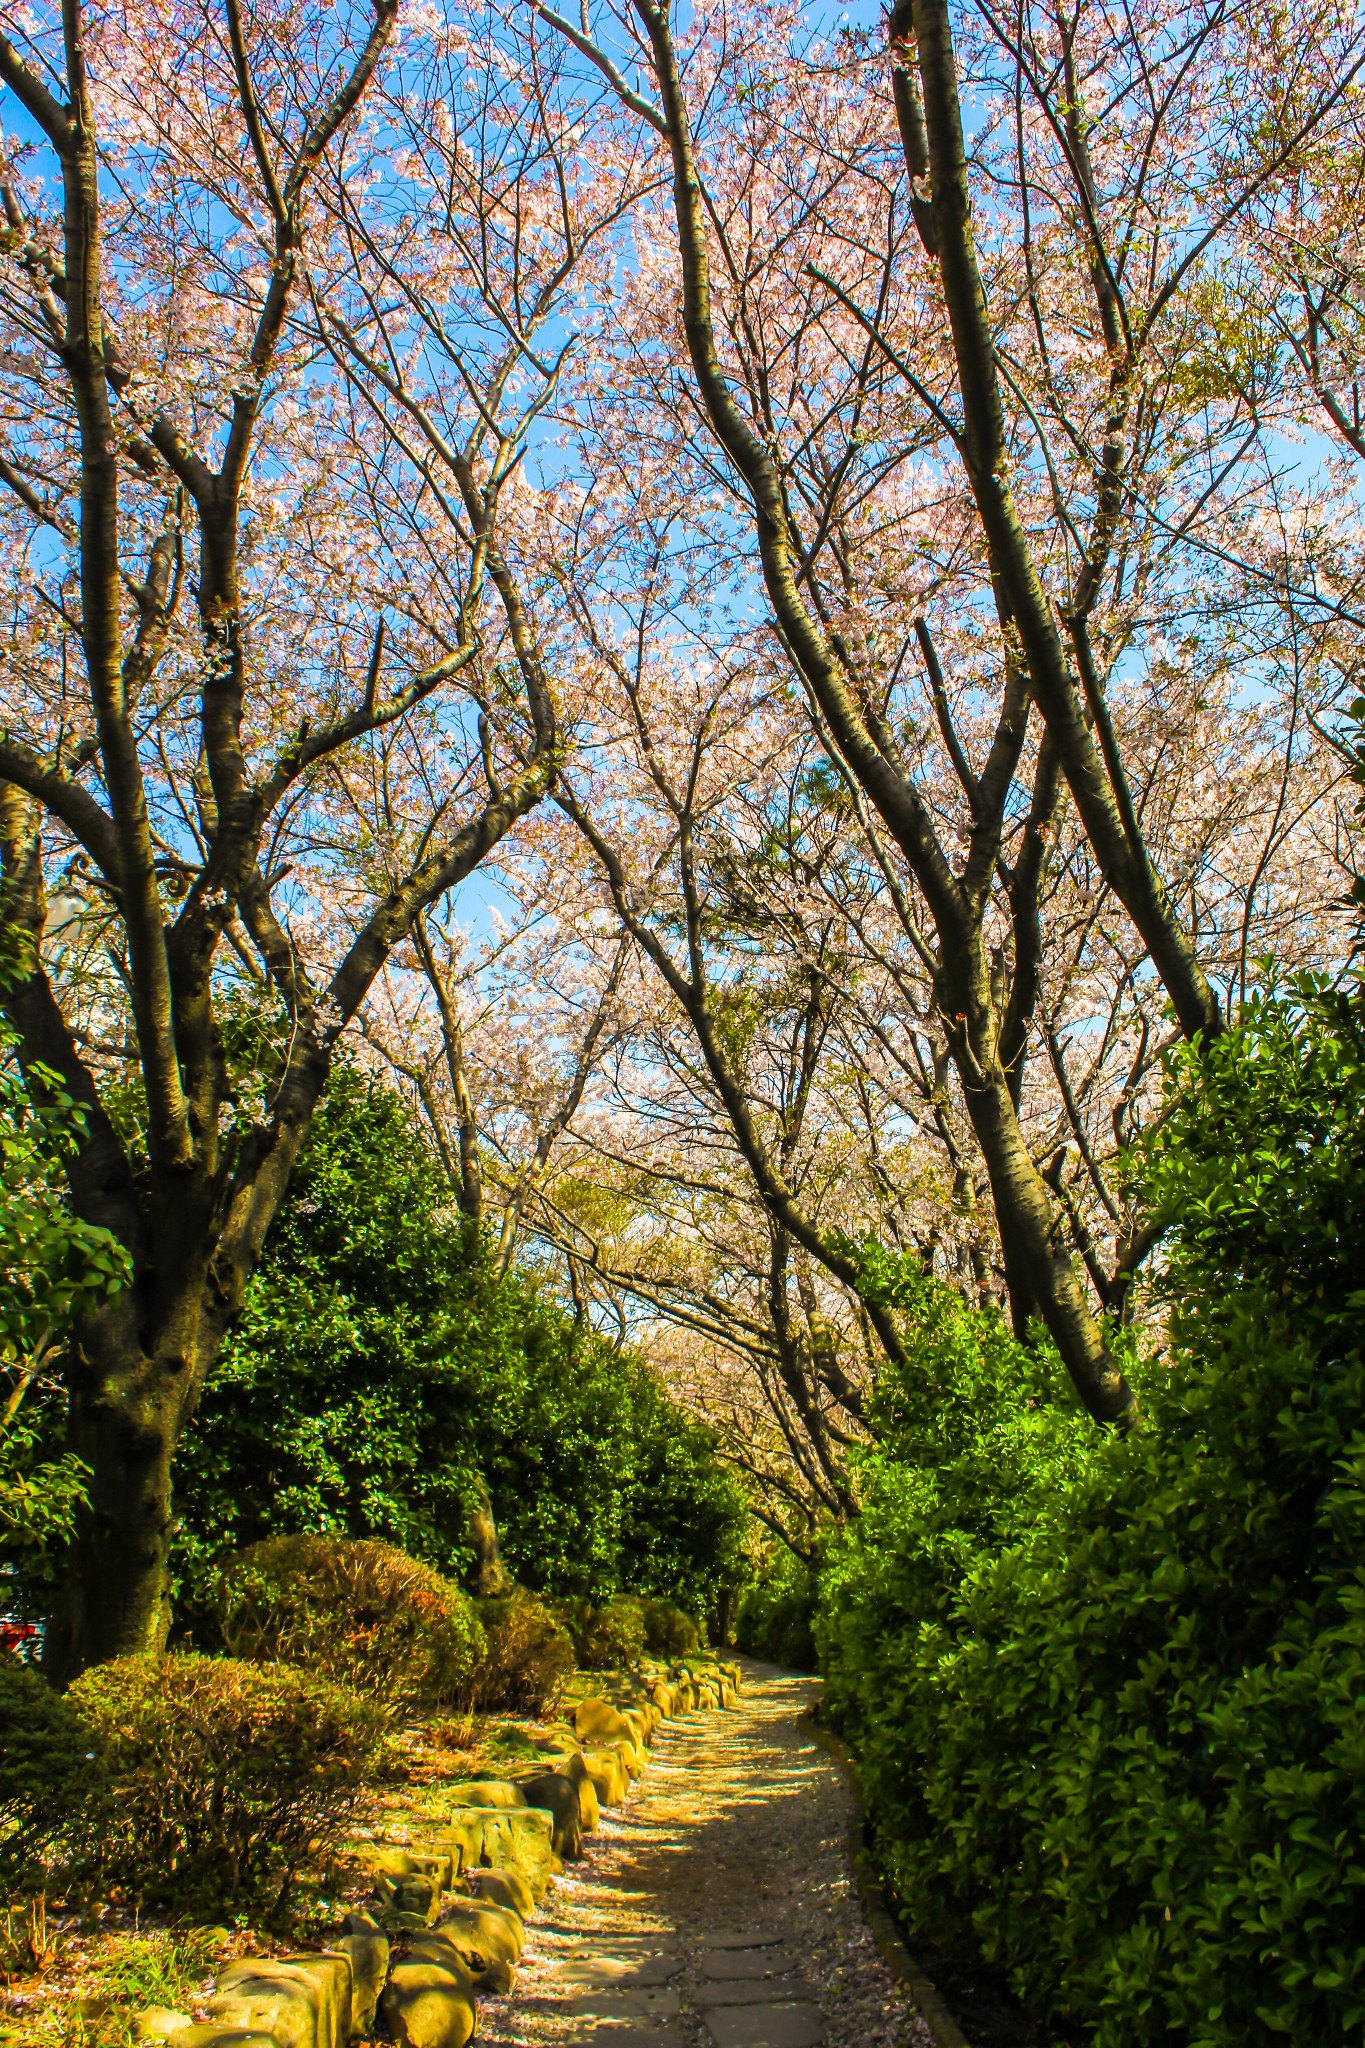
(243, 600)
(966, 522)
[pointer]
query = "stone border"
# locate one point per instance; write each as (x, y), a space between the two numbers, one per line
(507, 1841)
(886, 1933)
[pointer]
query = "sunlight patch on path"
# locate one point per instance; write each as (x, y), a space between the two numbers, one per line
(717, 1908)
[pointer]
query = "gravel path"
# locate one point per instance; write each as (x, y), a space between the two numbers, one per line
(717, 1907)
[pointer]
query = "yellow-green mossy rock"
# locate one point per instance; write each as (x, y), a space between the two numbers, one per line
(589, 1812)
(304, 2001)
(517, 1839)
(665, 1698)
(428, 2005)
(494, 1792)
(158, 2023)
(559, 1740)
(397, 1860)
(558, 1795)
(209, 2034)
(505, 1888)
(463, 1831)
(632, 1756)
(607, 1774)
(479, 1933)
(598, 1721)
(369, 1954)
(406, 1900)
(574, 1766)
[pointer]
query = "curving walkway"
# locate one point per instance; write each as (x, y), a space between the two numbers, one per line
(717, 1908)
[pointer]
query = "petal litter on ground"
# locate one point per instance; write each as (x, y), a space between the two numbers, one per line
(718, 1908)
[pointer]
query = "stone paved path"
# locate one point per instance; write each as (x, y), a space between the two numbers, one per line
(717, 1908)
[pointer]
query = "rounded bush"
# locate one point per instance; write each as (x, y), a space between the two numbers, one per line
(50, 1778)
(610, 1638)
(669, 1631)
(527, 1660)
(365, 1612)
(224, 1777)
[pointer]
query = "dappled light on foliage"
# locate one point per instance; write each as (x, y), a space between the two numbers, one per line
(361, 1612)
(681, 926)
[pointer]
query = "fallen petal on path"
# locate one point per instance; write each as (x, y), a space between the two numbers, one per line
(717, 1908)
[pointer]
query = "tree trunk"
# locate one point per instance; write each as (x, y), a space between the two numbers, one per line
(1033, 1232)
(488, 1577)
(123, 1420)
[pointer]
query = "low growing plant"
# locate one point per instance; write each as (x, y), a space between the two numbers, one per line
(224, 1777)
(389, 1626)
(93, 1987)
(528, 1658)
(51, 1783)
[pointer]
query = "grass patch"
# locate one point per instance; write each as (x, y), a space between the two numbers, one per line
(61, 1988)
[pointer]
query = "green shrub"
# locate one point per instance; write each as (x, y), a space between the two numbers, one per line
(51, 1784)
(777, 1612)
(224, 1777)
(1107, 1693)
(360, 1611)
(383, 1365)
(609, 1638)
(669, 1632)
(527, 1661)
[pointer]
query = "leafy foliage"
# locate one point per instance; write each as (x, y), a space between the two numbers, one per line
(1260, 1166)
(53, 1266)
(1106, 1691)
(609, 1638)
(386, 1625)
(669, 1632)
(50, 1782)
(528, 1657)
(777, 1613)
(380, 1365)
(224, 1776)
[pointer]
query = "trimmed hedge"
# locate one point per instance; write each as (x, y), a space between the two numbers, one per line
(225, 1778)
(528, 1658)
(361, 1611)
(1109, 1695)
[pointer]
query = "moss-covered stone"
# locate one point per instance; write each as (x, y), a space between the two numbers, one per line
(493, 1792)
(304, 2001)
(558, 1795)
(428, 2005)
(505, 1888)
(516, 1839)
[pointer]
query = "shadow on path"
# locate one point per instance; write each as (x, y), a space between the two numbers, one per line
(717, 1908)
